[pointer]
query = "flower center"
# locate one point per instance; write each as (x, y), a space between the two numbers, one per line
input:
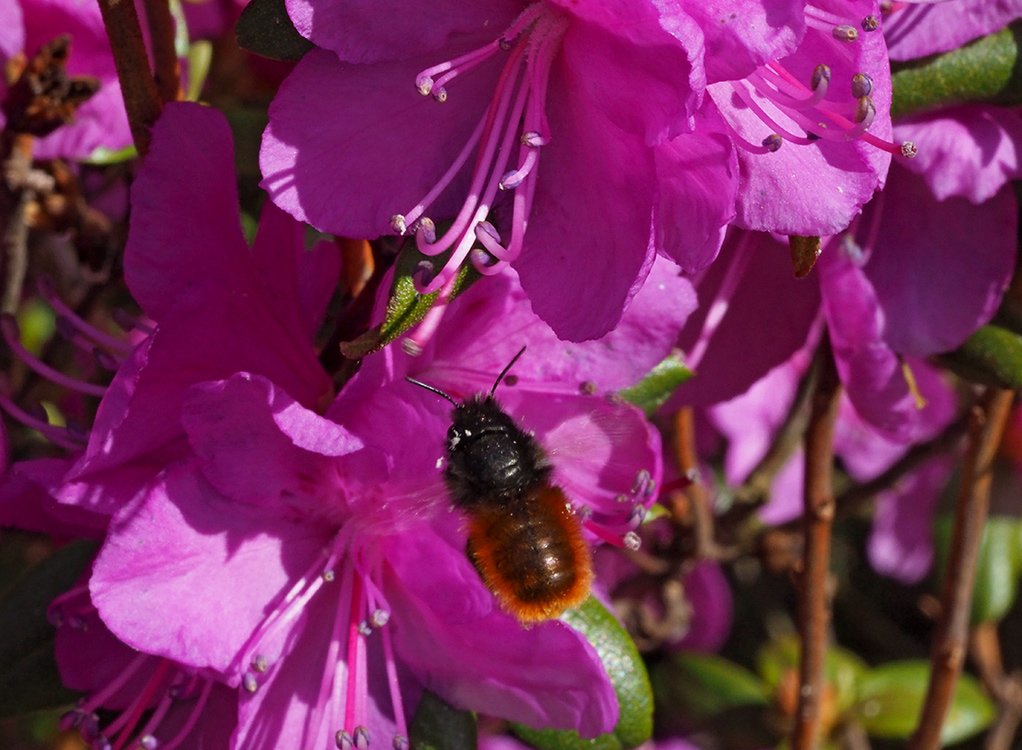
(515, 118)
(772, 91)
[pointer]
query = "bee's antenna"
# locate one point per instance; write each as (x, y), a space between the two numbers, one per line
(431, 389)
(505, 371)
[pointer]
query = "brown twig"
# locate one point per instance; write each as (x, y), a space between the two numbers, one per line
(141, 97)
(985, 650)
(818, 516)
(692, 507)
(166, 71)
(986, 425)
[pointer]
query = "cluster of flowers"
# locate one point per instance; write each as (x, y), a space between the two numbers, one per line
(279, 563)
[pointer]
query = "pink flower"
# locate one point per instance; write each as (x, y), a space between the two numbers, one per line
(317, 528)
(565, 129)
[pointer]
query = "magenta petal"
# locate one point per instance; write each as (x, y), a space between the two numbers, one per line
(584, 173)
(332, 170)
(26, 502)
(768, 297)
(871, 372)
(970, 152)
(901, 542)
(741, 35)
(480, 658)
(709, 595)
(697, 177)
(189, 172)
(225, 560)
(925, 255)
(256, 444)
(318, 273)
(369, 31)
(12, 34)
(920, 30)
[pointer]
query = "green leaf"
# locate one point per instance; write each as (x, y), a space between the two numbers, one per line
(103, 156)
(891, 697)
(987, 70)
(704, 685)
(650, 393)
(200, 56)
(842, 669)
(266, 29)
(28, 674)
(992, 356)
(997, 569)
(406, 307)
(439, 726)
(627, 673)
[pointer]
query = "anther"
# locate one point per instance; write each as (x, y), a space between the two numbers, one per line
(909, 150)
(343, 740)
(587, 388)
(148, 742)
(532, 139)
(637, 516)
(361, 738)
(772, 142)
(632, 541)
(845, 33)
(379, 618)
(862, 85)
(821, 76)
(259, 663)
(440, 94)
(641, 482)
(400, 742)
(365, 629)
(249, 682)
(425, 231)
(328, 576)
(511, 180)
(398, 223)
(423, 273)
(870, 23)
(424, 85)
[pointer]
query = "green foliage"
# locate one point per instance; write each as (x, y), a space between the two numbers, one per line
(627, 673)
(650, 393)
(991, 356)
(265, 29)
(28, 673)
(439, 726)
(986, 70)
(706, 685)
(891, 697)
(406, 307)
(997, 570)
(843, 670)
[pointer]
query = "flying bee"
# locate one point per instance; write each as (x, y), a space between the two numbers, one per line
(523, 537)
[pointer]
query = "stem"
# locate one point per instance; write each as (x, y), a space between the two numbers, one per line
(986, 425)
(141, 98)
(162, 32)
(818, 516)
(692, 507)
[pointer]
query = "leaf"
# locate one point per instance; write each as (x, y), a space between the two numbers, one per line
(439, 726)
(842, 669)
(704, 685)
(997, 568)
(992, 356)
(650, 393)
(28, 672)
(891, 697)
(406, 307)
(627, 672)
(266, 29)
(200, 56)
(986, 70)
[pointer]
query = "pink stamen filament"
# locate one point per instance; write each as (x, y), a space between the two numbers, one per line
(129, 719)
(722, 300)
(426, 82)
(9, 329)
(610, 537)
(193, 717)
(98, 699)
(356, 671)
(333, 668)
(162, 708)
(393, 684)
(97, 336)
(56, 435)
(770, 122)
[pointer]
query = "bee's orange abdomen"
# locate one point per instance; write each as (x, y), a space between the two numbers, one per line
(532, 556)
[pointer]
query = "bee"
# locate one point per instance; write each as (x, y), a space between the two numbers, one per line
(523, 537)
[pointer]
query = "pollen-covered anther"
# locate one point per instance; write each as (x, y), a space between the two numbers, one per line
(772, 142)
(632, 541)
(398, 224)
(424, 85)
(865, 112)
(249, 682)
(532, 139)
(439, 94)
(379, 618)
(637, 516)
(327, 576)
(361, 738)
(343, 740)
(148, 742)
(365, 629)
(259, 663)
(820, 78)
(862, 85)
(909, 150)
(845, 33)
(423, 273)
(425, 232)
(870, 23)
(400, 742)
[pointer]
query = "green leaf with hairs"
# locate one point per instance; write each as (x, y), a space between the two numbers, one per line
(439, 726)
(628, 674)
(991, 356)
(650, 393)
(986, 70)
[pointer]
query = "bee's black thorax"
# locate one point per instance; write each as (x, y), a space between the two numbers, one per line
(489, 458)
